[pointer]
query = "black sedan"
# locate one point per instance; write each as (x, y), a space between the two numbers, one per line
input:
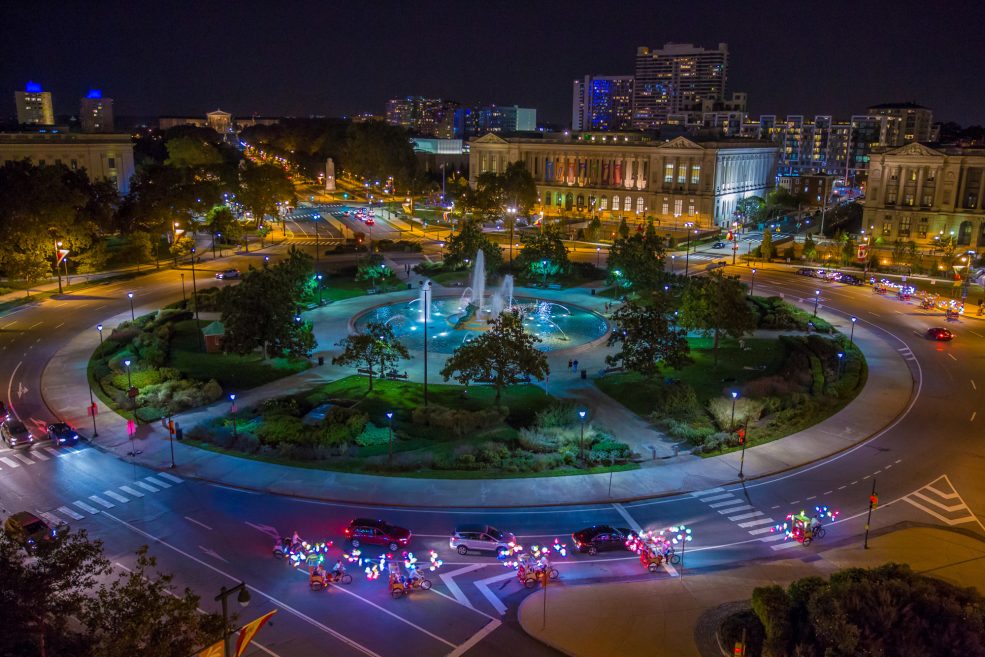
(939, 334)
(62, 434)
(597, 538)
(718, 245)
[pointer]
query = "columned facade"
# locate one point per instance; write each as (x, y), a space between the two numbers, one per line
(925, 194)
(614, 176)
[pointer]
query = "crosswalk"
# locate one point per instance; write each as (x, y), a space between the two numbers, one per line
(745, 516)
(12, 459)
(906, 353)
(941, 500)
(110, 498)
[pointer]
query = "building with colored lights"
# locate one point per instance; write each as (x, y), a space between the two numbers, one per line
(96, 112)
(925, 194)
(34, 106)
(102, 156)
(905, 122)
(675, 79)
(615, 175)
(602, 102)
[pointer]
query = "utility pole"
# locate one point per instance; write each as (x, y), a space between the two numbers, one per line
(873, 502)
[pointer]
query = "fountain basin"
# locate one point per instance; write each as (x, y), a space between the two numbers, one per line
(559, 325)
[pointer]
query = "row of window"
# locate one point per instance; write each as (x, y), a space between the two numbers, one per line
(74, 164)
(567, 201)
(682, 173)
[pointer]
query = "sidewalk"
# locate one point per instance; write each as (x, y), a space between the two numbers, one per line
(882, 401)
(666, 616)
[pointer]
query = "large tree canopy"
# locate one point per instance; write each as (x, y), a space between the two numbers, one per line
(262, 187)
(464, 245)
(716, 304)
(648, 337)
(639, 259)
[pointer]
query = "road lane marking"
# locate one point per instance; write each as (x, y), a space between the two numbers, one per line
(483, 586)
(773, 537)
(157, 482)
(788, 545)
(131, 491)
(311, 621)
(170, 477)
(973, 414)
(744, 507)
(200, 524)
(456, 590)
(628, 518)
(88, 508)
(147, 486)
(116, 496)
(701, 493)
(732, 502)
(976, 333)
(101, 502)
(716, 498)
(973, 386)
(68, 512)
(761, 530)
(746, 516)
(753, 523)
(34, 325)
(52, 519)
(475, 638)
(23, 459)
(951, 356)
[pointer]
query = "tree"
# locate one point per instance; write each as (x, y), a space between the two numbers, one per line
(750, 209)
(648, 337)
(262, 186)
(372, 268)
(593, 232)
(715, 305)
(377, 150)
(517, 187)
(544, 253)
(262, 311)
(766, 248)
(504, 355)
(221, 221)
(810, 247)
(467, 242)
(191, 152)
(639, 258)
(140, 614)
(28, 267)
(377, 346)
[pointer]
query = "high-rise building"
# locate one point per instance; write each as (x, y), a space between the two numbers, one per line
(424, 116)
(602, 102)
(494, 118)
(905, 122)
(34, 106)
(675, 79)
(96, 112)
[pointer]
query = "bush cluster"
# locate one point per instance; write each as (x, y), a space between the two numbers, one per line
(458, 423)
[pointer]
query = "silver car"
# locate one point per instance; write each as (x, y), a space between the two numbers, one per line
(14, 433)
(481, 538)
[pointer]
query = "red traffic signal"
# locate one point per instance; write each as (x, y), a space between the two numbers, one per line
(874, 500)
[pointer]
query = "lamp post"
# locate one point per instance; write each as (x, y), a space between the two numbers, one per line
(543, 266)
(598, 256)
(581, 443)
(314, 219)
(243, 598)
(841, 361)
(426, 300)
(183, 299)
(58, 271)
(817, 297)
(389, 418)
(195, 300)
(687, 249)
(214, 235)
(99, 327)
(673, 264)
(319, 277)
(512, 212)
(232, 412)
(731, 424)
(851, 337)
(752, 287)
(174, 244)
(683, 537)
(130, 297)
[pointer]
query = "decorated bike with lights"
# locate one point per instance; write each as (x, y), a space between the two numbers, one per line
(405, 577)
(803, 528)
(535, 567)
(654, 550)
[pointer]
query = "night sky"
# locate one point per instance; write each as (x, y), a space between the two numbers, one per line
(334, 58)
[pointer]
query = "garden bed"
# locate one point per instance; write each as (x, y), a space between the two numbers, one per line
(462, 433)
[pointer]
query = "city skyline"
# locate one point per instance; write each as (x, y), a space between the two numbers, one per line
(304, 64)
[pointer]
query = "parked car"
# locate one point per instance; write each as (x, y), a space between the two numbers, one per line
(365, 531)
(848, 279)
(62, 434)
(718, 245)
(14, 433)
(27, 530)
(480, 538)
(227, 274)
(940, 334)
(599, 538)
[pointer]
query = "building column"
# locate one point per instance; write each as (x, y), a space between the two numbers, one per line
(981, 191)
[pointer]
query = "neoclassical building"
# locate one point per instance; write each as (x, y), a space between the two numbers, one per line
(103, 156)
(920, 193)
(625, 175)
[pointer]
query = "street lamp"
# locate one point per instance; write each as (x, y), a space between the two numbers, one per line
(389, 417)
(132, 316)
(817, 297)
(841, 361)
(581, 444)
(683, 537)
(543, 266)
(687, 249)
(512, 212)
(426, 300)
(174, 244)
(243, 598)
(232, 412)
(319, 277)
(99, 327)
(58, 271)
(183, 299)
(851, 338)
(752, 287)
(195, 299)
(673, 264)
(731, 425)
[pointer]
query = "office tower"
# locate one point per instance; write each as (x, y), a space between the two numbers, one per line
(96, 112)
(675, 79)
(34, 106)
(602, 102)
(905, 122)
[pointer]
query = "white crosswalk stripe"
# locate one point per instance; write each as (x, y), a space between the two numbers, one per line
(733, 509)
(131, 491)
(170, 477)
(762, 530)
(116, 496)
(23, 459)
(772, 538)
(51, 518)
(784, 546)
(716, 498)
(745, 516)
(101, 502)
(146, 486)
(757, 522)
(88, 508)
(701, 493)
(732, 502)
(64, 510)
(157, 482)
(10, 462)
(52, 451)
(39, 455)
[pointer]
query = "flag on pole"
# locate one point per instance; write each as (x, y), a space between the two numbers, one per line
(61, 255)
(215, 650)
(249, 631)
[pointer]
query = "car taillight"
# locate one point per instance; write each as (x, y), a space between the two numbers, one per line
(347, 531)
(454, 539)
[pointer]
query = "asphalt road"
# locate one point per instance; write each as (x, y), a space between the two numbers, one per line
(928, 465)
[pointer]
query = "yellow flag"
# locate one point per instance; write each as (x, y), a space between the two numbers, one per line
(215, 650)
(249, 631)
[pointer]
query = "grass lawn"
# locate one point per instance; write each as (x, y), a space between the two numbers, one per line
(450, 278)
(735, 367)
(233, 372)
(402, 397)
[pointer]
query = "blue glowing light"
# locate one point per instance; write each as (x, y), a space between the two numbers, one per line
(33, 87)
(94, 93)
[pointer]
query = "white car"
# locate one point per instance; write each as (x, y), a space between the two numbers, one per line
(481, 538)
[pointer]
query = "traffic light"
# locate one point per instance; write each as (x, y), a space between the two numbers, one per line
(742, 435)
(874, 500)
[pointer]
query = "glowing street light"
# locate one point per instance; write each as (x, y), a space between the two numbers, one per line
(851, 338)
(389, 417)
(232, 411)
(817, 297)
(130, 297)
(581, 444)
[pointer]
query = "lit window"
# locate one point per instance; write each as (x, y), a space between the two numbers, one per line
(665, 209)
(678, 207)
(615, 203)
(682, 174)
(669, 173)
(690, 210)
(695, 173)
(639, 205)
(604, 203)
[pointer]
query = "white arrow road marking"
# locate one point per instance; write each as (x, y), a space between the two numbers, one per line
(21, 389)
(475, 638)
(448, 579)
(483, 586)
(266, 529)
(212, 553)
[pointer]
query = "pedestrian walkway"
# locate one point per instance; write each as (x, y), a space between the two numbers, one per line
(882, 401)
(664, 617)
(110, 498)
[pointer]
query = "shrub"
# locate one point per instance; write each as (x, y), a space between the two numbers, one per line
(534, 441)
(459, 422)
(141, 379)
(280, 406)
(679, 401)
(149, 413)
(687, 432)
(746, 410)
(558, 414)
(743, 625)
(491, 452)
(715, 442)
(283, 429)
(247, 443)
(373, 435)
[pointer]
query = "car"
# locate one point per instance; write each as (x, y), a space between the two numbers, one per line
(227, 274)
(718, 245)
(848, 279)
(940, 334)
(599, 538)
(370, 221)
(480, 538)
(27, 530)
(365, 531)
(62, 434)
(805, 271)
(14, 433)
